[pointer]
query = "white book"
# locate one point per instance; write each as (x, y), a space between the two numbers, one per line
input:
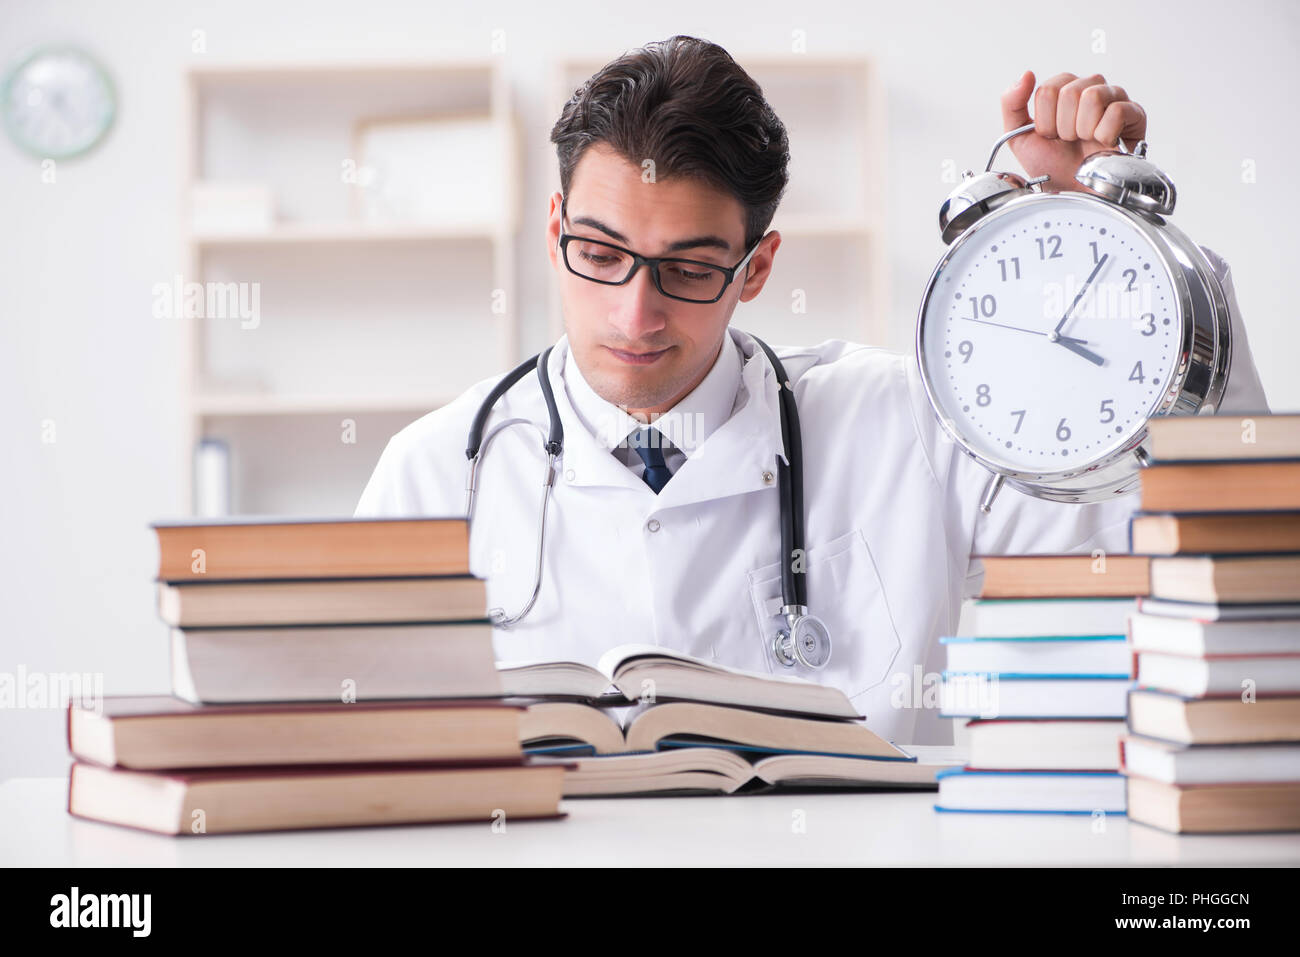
(1042, 745)
(1061, 617)
(1103, 655)
(1197, 637)
(978, 695)
(1198, 677)
(1209, 611)
(333, 662)
(1078, 792)
(1210, 764)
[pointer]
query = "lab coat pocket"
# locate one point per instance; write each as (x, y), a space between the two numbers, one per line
(845, 591)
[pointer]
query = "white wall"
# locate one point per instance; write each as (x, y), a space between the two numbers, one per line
(78, 259)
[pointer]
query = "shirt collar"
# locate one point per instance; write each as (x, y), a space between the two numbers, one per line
(745, 446)
(686, 425)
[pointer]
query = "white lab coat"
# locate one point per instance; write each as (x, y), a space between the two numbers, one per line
(892, 522)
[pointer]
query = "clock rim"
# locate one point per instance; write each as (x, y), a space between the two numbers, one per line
(61, 49)
(1169, 399)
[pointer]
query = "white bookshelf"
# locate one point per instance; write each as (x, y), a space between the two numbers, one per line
(831, 217)
(363, 326)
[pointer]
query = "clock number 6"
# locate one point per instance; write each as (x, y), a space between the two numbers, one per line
(1063, 431)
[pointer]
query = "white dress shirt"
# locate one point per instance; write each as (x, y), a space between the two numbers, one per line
(682, 429)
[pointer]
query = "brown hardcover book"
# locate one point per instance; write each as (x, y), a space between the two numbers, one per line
(1221, 486)
(150, 732)
(1065, 576)
(1227, 578)
(312, 548)
(204, 604)
(1174, 534)
(1214, 808)
(1220, 720)
(228, 800)
(1236, 436)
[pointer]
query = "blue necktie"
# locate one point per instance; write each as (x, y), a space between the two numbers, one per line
(647, 444)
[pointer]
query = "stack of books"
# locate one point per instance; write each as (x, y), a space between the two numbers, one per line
(647, 720)
(1043, 681)
(325, 673)
(1214, 717)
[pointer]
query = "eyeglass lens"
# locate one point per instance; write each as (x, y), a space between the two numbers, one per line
(602, 263)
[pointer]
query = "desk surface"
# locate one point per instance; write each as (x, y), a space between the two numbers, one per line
(894, 828)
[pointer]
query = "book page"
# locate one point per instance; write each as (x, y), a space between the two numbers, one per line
(616, 657)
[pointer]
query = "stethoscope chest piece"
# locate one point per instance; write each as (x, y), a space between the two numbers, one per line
(805, 640)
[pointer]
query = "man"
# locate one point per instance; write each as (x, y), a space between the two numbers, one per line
(663, 527)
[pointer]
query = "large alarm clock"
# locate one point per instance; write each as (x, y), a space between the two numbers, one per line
(1057, 324)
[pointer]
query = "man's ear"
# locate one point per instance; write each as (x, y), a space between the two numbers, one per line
(760, 266)
(553, 227)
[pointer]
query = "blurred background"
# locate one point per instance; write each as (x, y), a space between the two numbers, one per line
(305, 164)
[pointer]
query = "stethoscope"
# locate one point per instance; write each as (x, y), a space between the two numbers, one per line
(805, 639)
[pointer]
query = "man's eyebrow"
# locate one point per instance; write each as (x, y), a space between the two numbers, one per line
(696, 242)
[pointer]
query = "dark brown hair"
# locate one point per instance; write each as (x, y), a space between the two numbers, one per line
(688, 106)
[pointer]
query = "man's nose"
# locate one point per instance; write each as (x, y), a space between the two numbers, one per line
(638, 308)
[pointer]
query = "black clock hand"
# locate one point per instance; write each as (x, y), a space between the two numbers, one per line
(1035, 332)
(1084, 288)
(1076, 346)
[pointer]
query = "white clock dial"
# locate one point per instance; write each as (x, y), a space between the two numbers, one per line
(58, 103)
(1050, 335)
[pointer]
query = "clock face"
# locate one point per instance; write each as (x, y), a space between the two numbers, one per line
(58, 103)
(1050, 334)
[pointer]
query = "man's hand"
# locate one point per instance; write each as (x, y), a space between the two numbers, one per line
(1074, 117)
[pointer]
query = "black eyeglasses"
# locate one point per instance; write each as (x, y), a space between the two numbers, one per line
(687, 280)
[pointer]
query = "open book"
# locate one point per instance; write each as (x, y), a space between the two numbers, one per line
(569, 727)
(648, 672)
(716, 770)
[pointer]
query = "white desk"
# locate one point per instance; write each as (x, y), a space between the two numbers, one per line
(874, 829)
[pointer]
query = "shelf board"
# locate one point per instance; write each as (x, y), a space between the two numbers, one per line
(256, 403)
(345, 233)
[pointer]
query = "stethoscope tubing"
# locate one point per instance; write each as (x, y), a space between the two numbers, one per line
(794, 592)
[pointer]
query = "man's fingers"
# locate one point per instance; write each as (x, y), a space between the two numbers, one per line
(1045, 105)
(1093, 103)
(1015, 102)
(1067, 105)
(1122, 118)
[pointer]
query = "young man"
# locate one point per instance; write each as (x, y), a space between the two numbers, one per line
(663, 526)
